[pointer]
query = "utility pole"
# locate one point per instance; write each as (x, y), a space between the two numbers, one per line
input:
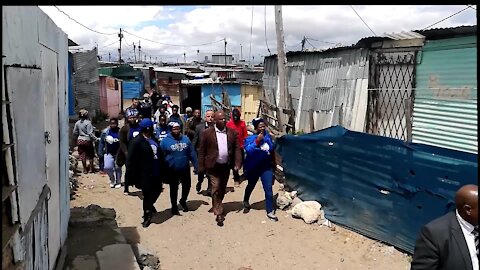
(241, 53)
(108, 57)
(145, 57)
(281, 58)
(120, 49)
(225, 51)
(184, 58)
(303, 42)
(134, 55)
(150, 59)
(139, 52)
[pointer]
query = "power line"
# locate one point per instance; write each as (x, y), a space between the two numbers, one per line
(109, 44)
(126, 42)
(362, 20)
(310, 43)
(83, 24)
(456, 13)
(266, 31)
(173, 45)
(251, 35)
(328, 42)
(471, 6)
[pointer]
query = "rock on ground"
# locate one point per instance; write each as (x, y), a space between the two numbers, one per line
(145, 258)
(92, 215)
(285, 199)
(309, 211)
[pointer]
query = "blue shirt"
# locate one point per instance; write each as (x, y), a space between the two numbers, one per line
(179, 152)
(156, 167)
(112, 148)
(259, 156)
(133, 132)
(162, 132)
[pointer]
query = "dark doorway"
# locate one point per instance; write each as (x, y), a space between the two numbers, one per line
(192, 97)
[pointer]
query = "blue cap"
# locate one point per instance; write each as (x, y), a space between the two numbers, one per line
(146, 123)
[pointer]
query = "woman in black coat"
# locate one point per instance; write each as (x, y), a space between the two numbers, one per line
(146, 167)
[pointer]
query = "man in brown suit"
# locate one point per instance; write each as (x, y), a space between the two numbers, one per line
(219, 153)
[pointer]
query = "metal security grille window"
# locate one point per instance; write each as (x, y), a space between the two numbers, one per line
(391, 94)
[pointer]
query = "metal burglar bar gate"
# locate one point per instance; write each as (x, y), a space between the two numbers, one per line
(391, 94)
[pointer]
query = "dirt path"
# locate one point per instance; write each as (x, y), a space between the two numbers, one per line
(194, 241)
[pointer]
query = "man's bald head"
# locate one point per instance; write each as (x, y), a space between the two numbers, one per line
(220, 119)
(466, 202)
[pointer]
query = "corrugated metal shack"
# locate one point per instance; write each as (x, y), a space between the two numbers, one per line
(445, 106)
(110, 95)
(35, 184)
(168, 81)
(133, 80)
(85, 81)
(327, 88)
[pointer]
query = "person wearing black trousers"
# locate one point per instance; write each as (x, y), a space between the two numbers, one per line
(146, 168)
(178, 151)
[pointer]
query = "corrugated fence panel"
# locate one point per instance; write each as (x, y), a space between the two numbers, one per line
(86, 78)
(445, 107)
(334, 87)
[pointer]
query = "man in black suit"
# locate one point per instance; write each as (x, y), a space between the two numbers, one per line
(451, 241)
(196, 143)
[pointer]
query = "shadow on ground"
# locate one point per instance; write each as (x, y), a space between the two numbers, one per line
(94, 238)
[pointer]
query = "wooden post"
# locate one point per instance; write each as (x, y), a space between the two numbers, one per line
(281, 59)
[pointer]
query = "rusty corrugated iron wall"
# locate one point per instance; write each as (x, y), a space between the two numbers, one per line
(85, 81)
(328, 88)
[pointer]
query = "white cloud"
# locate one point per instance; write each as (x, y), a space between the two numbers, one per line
(203, 24)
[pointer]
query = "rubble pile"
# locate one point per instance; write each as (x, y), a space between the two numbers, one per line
(73, 169)
(146, 259)
(309, 211)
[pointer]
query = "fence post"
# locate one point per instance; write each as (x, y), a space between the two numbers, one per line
(312, 124)
(408, 118)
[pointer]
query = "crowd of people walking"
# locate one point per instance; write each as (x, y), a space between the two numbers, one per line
(159, 146)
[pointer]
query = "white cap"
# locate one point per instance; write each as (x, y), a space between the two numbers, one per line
(146, 95)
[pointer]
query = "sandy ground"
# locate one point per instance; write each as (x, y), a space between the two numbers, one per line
(252, 241)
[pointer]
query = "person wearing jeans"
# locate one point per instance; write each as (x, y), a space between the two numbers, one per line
(259, 164)
(108, 148)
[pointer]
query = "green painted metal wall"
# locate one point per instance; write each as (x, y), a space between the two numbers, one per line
(445, 106)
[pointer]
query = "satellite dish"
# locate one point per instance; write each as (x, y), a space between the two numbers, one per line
(214, 75)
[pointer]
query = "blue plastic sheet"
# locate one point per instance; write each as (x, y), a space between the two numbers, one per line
(381, 187)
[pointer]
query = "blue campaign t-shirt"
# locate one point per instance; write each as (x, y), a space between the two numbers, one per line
(112, 142)
(162, 132)
(154, 145)
(133, 132)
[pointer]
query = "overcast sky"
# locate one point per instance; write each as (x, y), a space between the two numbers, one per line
(191, 26)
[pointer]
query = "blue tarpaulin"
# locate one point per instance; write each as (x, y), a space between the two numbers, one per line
(381, 187)
(131, 89)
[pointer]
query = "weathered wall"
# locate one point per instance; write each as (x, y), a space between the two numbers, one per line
(35, 62)
(85, 83)
(332, 85)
